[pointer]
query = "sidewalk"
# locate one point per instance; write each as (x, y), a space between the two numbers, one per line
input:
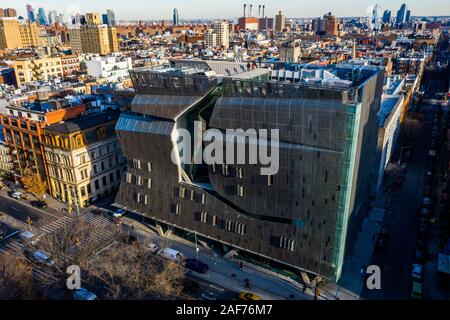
(222, 270)
(53, 204)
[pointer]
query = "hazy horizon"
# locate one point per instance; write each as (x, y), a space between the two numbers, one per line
(197, 9)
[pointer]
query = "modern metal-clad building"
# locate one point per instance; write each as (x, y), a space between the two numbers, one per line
(327, 158)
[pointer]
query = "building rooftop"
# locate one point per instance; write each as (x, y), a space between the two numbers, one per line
(84, 122)
(388, 104)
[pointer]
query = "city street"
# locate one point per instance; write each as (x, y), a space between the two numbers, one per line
(401, 221)
(223, 273)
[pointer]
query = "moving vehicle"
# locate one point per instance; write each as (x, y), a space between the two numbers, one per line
(17, 195)
(39, 204)
(43, 257)
(417, 271)
(249, 296)
(172, 254)
(416, 291)
(196, 265)
(119, 213)
(84, 294)
(27, 237)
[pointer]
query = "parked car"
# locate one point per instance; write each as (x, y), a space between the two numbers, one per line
(17, 195)
(249, 296)
(196, 265)
(172, 254)
(84, 294)
(416, 291)
(27, 237)
(39, 204)
(154, 248)
(382, 239)
(42, 257)
(417, 271)
(119, 213)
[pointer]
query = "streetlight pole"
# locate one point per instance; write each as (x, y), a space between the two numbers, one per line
(74, 195)
(196, 245)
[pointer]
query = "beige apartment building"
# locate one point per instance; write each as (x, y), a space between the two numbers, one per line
(84, 159)
(39, 68)
(93, 37)
(14, 34)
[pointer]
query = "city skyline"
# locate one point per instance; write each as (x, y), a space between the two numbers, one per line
(133, 10)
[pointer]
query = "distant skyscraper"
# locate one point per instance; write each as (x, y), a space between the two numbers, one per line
(42, 17)
(375, 19)
(105, 19)
(401, 15)
(331, 25)
(408, 16)
(30, 13)
(280, 22)
(52, 16)
(111, 18)
(176, 20)
(387, 16)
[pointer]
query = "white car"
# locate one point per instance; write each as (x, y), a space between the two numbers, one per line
(17, 195)
(119, 213)
(172, 254)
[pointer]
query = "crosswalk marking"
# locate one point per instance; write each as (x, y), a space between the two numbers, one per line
(12, 247)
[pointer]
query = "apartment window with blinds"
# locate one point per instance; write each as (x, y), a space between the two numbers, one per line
(269, 180)
(214, 220)
(139, 181)
(182, 193)
(149, 183)
(192, 195)
(229, 225)
(240, 190)
(286, 243)
(240, 228)
(240, 173)
(203, 217)
(149, 166)
(145, 199)
(129, 177)
(137, 164)
(225, 170)
(203, 198)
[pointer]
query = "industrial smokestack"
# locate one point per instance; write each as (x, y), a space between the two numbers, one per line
(245, 6)
(259, 11)
(250, 14)
(264, 7)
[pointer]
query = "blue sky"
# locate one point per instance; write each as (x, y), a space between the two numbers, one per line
(162, 9)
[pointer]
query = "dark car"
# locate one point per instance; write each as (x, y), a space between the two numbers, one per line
(196, 265)
(39, 204)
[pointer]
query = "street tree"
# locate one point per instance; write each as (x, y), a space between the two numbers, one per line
(34, 184)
